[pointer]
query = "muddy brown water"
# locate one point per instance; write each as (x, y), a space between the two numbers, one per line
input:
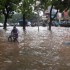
(36, 50)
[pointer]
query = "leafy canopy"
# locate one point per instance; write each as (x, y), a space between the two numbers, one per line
(59, 4)
(26, 7)
(8, 5)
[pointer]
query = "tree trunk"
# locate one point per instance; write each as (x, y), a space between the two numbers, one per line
(5, 21)
(50, 23)
(24, 22)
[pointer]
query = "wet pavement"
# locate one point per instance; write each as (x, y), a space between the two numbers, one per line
(36, 50)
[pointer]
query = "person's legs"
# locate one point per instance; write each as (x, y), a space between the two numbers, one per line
(10, 38)
(15, 37)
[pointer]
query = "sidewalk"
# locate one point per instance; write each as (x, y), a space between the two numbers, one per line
(43, 50)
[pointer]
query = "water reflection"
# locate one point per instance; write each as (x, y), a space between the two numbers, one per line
(43, 50)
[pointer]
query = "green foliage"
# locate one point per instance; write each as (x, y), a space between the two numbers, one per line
(26, 7)
(45, 3)
(59, 4)
(1, 18)
(8, 6)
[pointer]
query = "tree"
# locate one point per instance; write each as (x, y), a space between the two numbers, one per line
(26, 10)
(7, 8)
(58, 4)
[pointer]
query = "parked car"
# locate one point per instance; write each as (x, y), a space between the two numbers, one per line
(21, 22)
(55, 23)
(1, 24)
(7, 24)
(33, 24)
(65, 23)
(28, 23)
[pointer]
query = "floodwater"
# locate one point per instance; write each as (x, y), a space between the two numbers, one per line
(36, 50)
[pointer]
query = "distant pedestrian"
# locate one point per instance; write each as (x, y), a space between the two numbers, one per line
(65, 14)
(59, 16)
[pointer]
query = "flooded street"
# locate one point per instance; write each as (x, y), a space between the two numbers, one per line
(36, 50)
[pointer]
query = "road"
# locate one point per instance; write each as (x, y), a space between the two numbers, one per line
(36, 50)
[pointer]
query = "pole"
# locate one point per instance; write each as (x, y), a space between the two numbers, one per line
(38, 20)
